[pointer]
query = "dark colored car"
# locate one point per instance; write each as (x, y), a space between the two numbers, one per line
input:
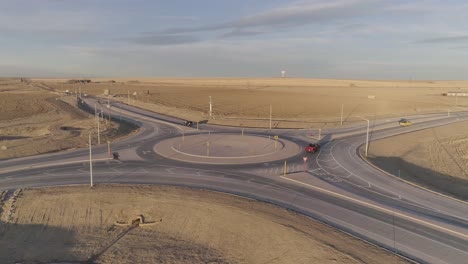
(188, 123)
(312, 148)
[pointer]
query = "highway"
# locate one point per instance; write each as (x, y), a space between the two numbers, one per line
(338, 187)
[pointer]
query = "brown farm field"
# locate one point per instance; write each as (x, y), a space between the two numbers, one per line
(84, 225)
(295, 102)
(33, 121)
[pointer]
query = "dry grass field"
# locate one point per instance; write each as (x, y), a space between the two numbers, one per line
(32, 121)
(80, 225)
(436, 158)
(295, 102)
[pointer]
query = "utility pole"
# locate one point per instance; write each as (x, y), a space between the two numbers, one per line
(128, 98)
(95, 111)
(211, 107)
(320, 134)
(342, 106)
(98, 133)
(90, 161)
(271, 112)
(367, 137)
(305, 163)
(108, 149)
(285, 168)
(394, 235)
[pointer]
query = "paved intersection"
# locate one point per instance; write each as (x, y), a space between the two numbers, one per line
(337, 186)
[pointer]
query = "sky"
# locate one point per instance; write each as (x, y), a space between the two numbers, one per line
(344, 39)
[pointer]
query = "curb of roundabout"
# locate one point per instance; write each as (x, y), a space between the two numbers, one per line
(220, 146)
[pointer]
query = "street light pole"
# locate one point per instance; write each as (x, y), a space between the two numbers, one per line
(211, 107)
(367, 137)
(108, 148)
(271, 110)
(90, 162)
(98, 133)
(342, 106)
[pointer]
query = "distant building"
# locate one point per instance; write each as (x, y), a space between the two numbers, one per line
(79, 81)
(456, 94)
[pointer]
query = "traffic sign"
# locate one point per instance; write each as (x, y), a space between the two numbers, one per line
(305, 159)
(276, 137)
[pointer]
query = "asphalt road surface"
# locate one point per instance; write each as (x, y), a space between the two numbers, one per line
(335, 185)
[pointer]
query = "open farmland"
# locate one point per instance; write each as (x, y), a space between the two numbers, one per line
(81, 225)
(295, 102)
(34, 120)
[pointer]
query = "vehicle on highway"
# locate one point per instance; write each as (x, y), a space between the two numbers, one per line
(312, 148)
(188, 123)
(404, 122)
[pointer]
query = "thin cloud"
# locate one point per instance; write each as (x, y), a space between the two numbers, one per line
(164, 40)
(448, 40)
(288, 16)
(237, 32)
(178, 18)
(52, 22)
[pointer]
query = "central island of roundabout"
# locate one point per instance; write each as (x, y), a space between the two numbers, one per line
(222, 148)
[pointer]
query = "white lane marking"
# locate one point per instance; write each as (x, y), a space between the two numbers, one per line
(152, 120)
(368, 184)
(362, 179)
(378, 208)
(51, 164)
(390, 241)
(326, 160)
(116, 170)
(427, 207)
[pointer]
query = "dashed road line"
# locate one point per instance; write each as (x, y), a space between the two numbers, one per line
(379, 208)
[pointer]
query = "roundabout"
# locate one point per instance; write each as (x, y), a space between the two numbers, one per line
(222, 148)
(337, 187)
